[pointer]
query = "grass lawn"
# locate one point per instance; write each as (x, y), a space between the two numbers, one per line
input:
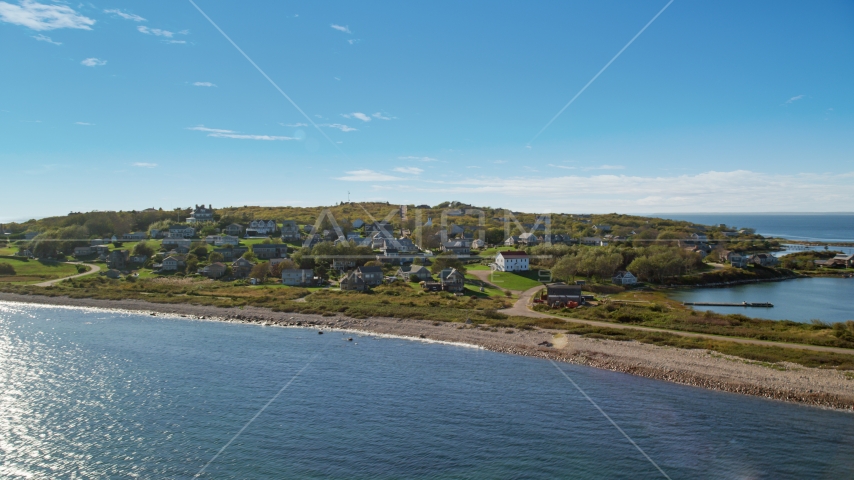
(516, 280)
(478, 267)
(146, 273)
(34, 271)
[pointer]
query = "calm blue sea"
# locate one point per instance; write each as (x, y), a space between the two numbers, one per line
(810, 227)
(799, 300)
(97, 394)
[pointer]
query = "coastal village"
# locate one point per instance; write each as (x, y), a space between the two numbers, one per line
(451, 248)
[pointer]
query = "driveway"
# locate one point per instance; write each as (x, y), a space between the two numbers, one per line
(95, 269)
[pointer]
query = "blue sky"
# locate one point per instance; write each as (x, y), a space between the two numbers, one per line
(716, 106)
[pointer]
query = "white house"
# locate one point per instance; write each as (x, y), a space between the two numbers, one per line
(177, 242)
(263, 227)
(226, 240)
(512, 261)
(133, 236)
(180, 231)
(297, 277)
(624, 278)
(172, 263)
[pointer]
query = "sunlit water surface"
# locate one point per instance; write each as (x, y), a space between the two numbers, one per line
(95, 394)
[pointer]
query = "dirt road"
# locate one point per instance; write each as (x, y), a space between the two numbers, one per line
(95, 269)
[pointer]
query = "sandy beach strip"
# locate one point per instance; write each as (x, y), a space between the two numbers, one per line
(825, 388)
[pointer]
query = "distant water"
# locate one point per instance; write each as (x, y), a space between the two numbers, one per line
(799, 300)
(815, 227)
(94, 394)
(797, 248)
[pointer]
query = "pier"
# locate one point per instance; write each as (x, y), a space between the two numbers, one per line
(718, 304)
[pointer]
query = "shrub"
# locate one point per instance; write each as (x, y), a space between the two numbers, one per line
(7, 269)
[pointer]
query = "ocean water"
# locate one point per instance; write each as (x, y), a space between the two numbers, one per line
(796, 248)
(806, 227)
(99, 394)
(799, 300)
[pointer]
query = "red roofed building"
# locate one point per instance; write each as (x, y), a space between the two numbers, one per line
(512, 261)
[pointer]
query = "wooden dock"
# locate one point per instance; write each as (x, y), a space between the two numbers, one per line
(719, 304)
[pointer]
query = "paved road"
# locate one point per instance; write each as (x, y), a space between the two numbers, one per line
(95, 269)
(522, 309)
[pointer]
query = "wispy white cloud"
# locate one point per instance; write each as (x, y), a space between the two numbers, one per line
(367, 176)
(409, 170)
(144, 165)
(795, 98)
(604, 167)
(341, 28)
(380, 116)
(294, 125)
(500, 162)
(45, 38)
(126, 16)
(203, 84)
(175, 41)
(240, 136)
(357, 115)
(354, 41)
(420, 159)
(39, 16)
(562, 166)
(93, 62)
(733, 191)
(221, 133)
(339, 126)
(84, 123)
(155, 31)
(202, 128)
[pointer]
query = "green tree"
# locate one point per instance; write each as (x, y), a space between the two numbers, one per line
(566, 268)
(444, 261)
(260, 271)
(215, 257)
(276, 270)
(192, 265)
(143, 248)
(7, 269)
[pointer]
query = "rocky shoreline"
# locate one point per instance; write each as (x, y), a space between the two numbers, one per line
(700, 368)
